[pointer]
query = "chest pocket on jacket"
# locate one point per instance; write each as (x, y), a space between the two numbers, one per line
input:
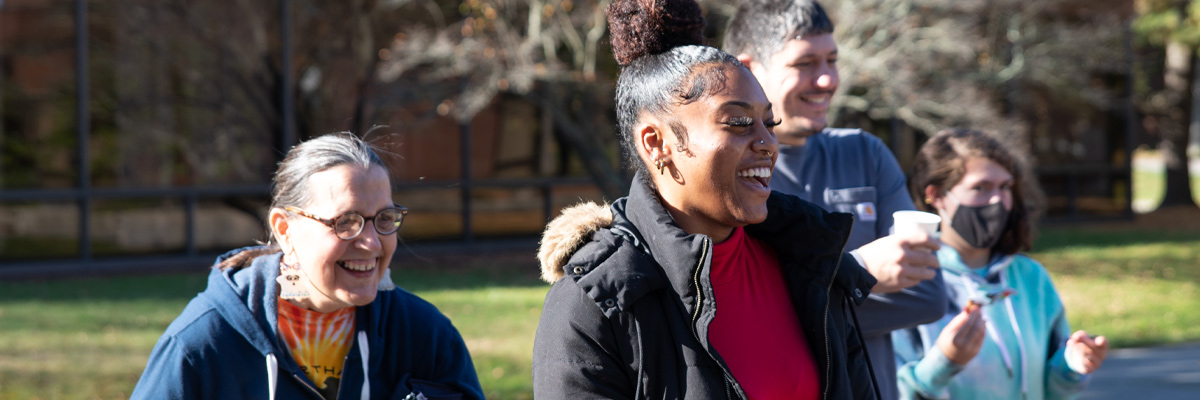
(861, 202)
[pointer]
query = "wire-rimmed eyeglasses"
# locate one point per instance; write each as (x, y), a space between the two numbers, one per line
(348, 226)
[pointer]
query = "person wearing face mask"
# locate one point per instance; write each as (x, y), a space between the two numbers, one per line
(314, 313)
(1004, 333)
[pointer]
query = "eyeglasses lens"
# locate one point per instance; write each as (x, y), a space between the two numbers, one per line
(348, 226)
(387, 221)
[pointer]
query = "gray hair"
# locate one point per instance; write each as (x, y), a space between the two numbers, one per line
(761, 27)
(290, 185)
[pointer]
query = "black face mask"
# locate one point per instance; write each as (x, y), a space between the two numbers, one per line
(980, 226)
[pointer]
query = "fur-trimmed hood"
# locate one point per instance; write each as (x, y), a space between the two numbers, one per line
(796, 229)
(566, 233)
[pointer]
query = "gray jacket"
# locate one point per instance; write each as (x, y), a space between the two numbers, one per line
(848, 170)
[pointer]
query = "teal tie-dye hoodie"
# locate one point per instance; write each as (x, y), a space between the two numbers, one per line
(1022, 355)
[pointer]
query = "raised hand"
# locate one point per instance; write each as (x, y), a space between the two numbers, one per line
(961, 340)
(1085, 353)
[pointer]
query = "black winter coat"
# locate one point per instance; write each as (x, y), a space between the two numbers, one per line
(628, 315)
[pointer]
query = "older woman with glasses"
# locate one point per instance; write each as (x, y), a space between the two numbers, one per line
(314, 314)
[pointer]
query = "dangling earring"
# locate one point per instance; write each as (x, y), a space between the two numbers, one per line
(290, 285)
(386, 284)
(660, 165)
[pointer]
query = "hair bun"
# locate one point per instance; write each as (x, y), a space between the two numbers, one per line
(643, 27)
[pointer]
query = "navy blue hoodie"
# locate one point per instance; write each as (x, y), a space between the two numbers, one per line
(225, 345)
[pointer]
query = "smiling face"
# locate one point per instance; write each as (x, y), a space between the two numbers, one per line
(720, 179)
(800, 81)
(344, 273)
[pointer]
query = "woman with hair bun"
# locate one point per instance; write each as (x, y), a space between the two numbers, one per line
(701, 283)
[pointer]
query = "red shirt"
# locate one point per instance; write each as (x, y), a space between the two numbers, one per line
(756, 330)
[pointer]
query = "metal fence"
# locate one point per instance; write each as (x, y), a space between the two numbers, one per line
(83, 194)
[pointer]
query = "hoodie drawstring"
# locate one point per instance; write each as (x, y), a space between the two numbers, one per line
(272, 375)
(364, 351)
(973, 287)
(273, 369)
(1012, 316)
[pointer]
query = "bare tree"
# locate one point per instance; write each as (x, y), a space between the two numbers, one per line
(547, 52)
(984, 64)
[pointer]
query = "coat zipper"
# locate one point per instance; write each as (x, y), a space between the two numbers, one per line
(699, 293)
(696, 314)
(829, 292)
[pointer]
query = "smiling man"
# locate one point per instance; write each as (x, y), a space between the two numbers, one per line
(789, 46)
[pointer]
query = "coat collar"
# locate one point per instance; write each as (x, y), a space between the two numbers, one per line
(679, 253)
(801, 233)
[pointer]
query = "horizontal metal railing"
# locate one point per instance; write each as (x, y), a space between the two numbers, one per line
(87, 263)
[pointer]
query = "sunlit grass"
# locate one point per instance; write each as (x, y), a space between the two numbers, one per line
(90, 338)
(498, 325)
(1150, 180)
(84, 339)
(1135, 287)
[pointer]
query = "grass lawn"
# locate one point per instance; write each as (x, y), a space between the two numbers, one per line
(89, 338)
(1149, 185)
(1137, 287)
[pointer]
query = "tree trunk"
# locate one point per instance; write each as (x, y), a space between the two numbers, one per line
(1180, 78)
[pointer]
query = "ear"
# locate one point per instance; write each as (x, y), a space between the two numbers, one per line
(651, 140)
(278, 219)
(746, 60)
(933, 197)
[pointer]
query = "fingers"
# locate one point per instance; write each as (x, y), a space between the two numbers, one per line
(920, 241)
(971, 333)
(975, 326)
(970, 326)
(900, 261)
(1089, 351)
(958, 321)
(918, 258)
(917, 274)
(1102, 343)
(962, 338)
(1080, 336)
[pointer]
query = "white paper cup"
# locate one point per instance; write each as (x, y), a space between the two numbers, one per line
(908, 222)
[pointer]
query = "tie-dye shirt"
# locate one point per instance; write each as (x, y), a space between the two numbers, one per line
(319, 342)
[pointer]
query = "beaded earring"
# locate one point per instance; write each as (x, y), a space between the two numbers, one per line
(291, 286)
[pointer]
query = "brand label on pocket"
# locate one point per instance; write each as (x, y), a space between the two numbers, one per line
(865, 211)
